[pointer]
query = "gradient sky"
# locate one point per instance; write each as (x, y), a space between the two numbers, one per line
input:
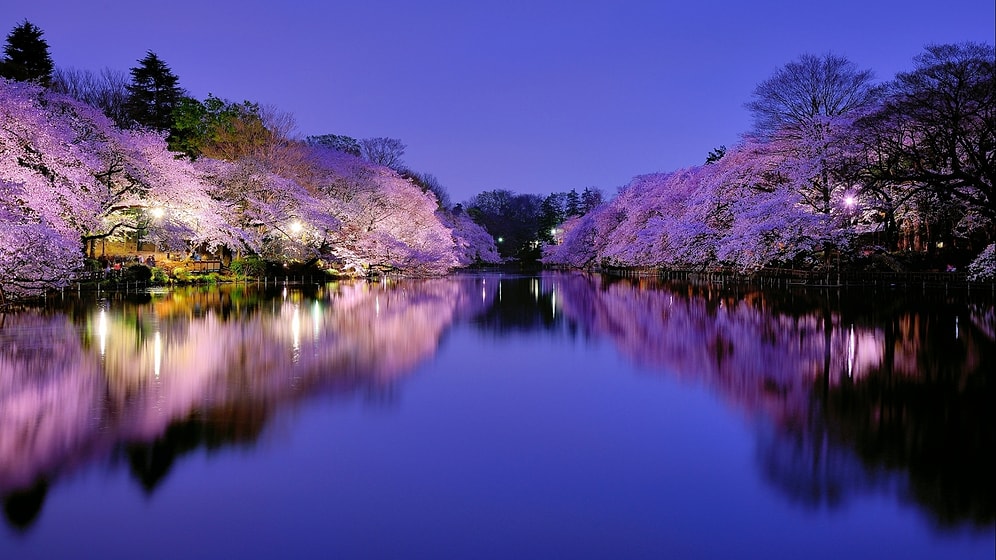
(532, 96)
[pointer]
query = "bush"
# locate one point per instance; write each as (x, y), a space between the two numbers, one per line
(159, 276)
(138, 273)
(249, 266)
(983, 268)
(181, 274)
(93, 266)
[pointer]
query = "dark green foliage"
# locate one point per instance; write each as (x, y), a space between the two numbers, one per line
(209, 127)
(159, 276)
(248, 267)
(26, 57)
(153, 93)
(189, 130)
(137, 273)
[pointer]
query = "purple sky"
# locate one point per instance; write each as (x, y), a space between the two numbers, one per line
(533, 96)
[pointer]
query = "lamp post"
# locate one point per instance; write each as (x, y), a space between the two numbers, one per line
(850, 203)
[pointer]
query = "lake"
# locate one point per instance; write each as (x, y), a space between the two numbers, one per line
(499, 416)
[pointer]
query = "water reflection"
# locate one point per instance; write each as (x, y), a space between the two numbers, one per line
(151, 378)
(850, 394)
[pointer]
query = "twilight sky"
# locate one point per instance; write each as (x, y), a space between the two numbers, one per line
(533, 96)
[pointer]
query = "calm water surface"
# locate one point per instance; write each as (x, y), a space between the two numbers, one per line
(557, 416)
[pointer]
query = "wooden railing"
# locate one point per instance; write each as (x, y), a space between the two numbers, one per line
(202, 266)
(782, 276)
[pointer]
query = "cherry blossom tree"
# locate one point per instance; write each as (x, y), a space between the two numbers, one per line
(740, 211)
(71, 172)
(387, 223)
(585, 238)
(34, 256)
(473, 244)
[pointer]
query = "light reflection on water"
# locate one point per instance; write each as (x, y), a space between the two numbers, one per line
(848, 396)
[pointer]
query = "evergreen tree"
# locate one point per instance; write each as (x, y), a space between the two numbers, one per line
(26, 57)
(573, 204)
(551, 216)
(716, 155)
(591, 197)
(153, 93)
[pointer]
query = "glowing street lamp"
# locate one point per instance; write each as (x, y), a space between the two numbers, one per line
(143, 220)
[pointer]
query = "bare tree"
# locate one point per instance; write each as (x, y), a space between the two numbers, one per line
(106, 90)
(428, 182)
(808, 90)
(383, 151)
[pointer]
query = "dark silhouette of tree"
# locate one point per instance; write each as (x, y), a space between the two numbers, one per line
(26, 57)
(337, 142)
(936, 130)
(512, 219)
(572, 206)
(22, 507)
(153, 93)
(802, 110)
(591, 197)
(716, 155)
(807, 91)
(233, 424)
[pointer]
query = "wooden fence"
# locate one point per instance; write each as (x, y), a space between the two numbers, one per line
(790, 277)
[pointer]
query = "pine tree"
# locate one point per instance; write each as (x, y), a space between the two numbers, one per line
(26, 57)
(153, 93)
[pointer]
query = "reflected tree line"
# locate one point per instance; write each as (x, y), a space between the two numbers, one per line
(143, 380)
(851, 392)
